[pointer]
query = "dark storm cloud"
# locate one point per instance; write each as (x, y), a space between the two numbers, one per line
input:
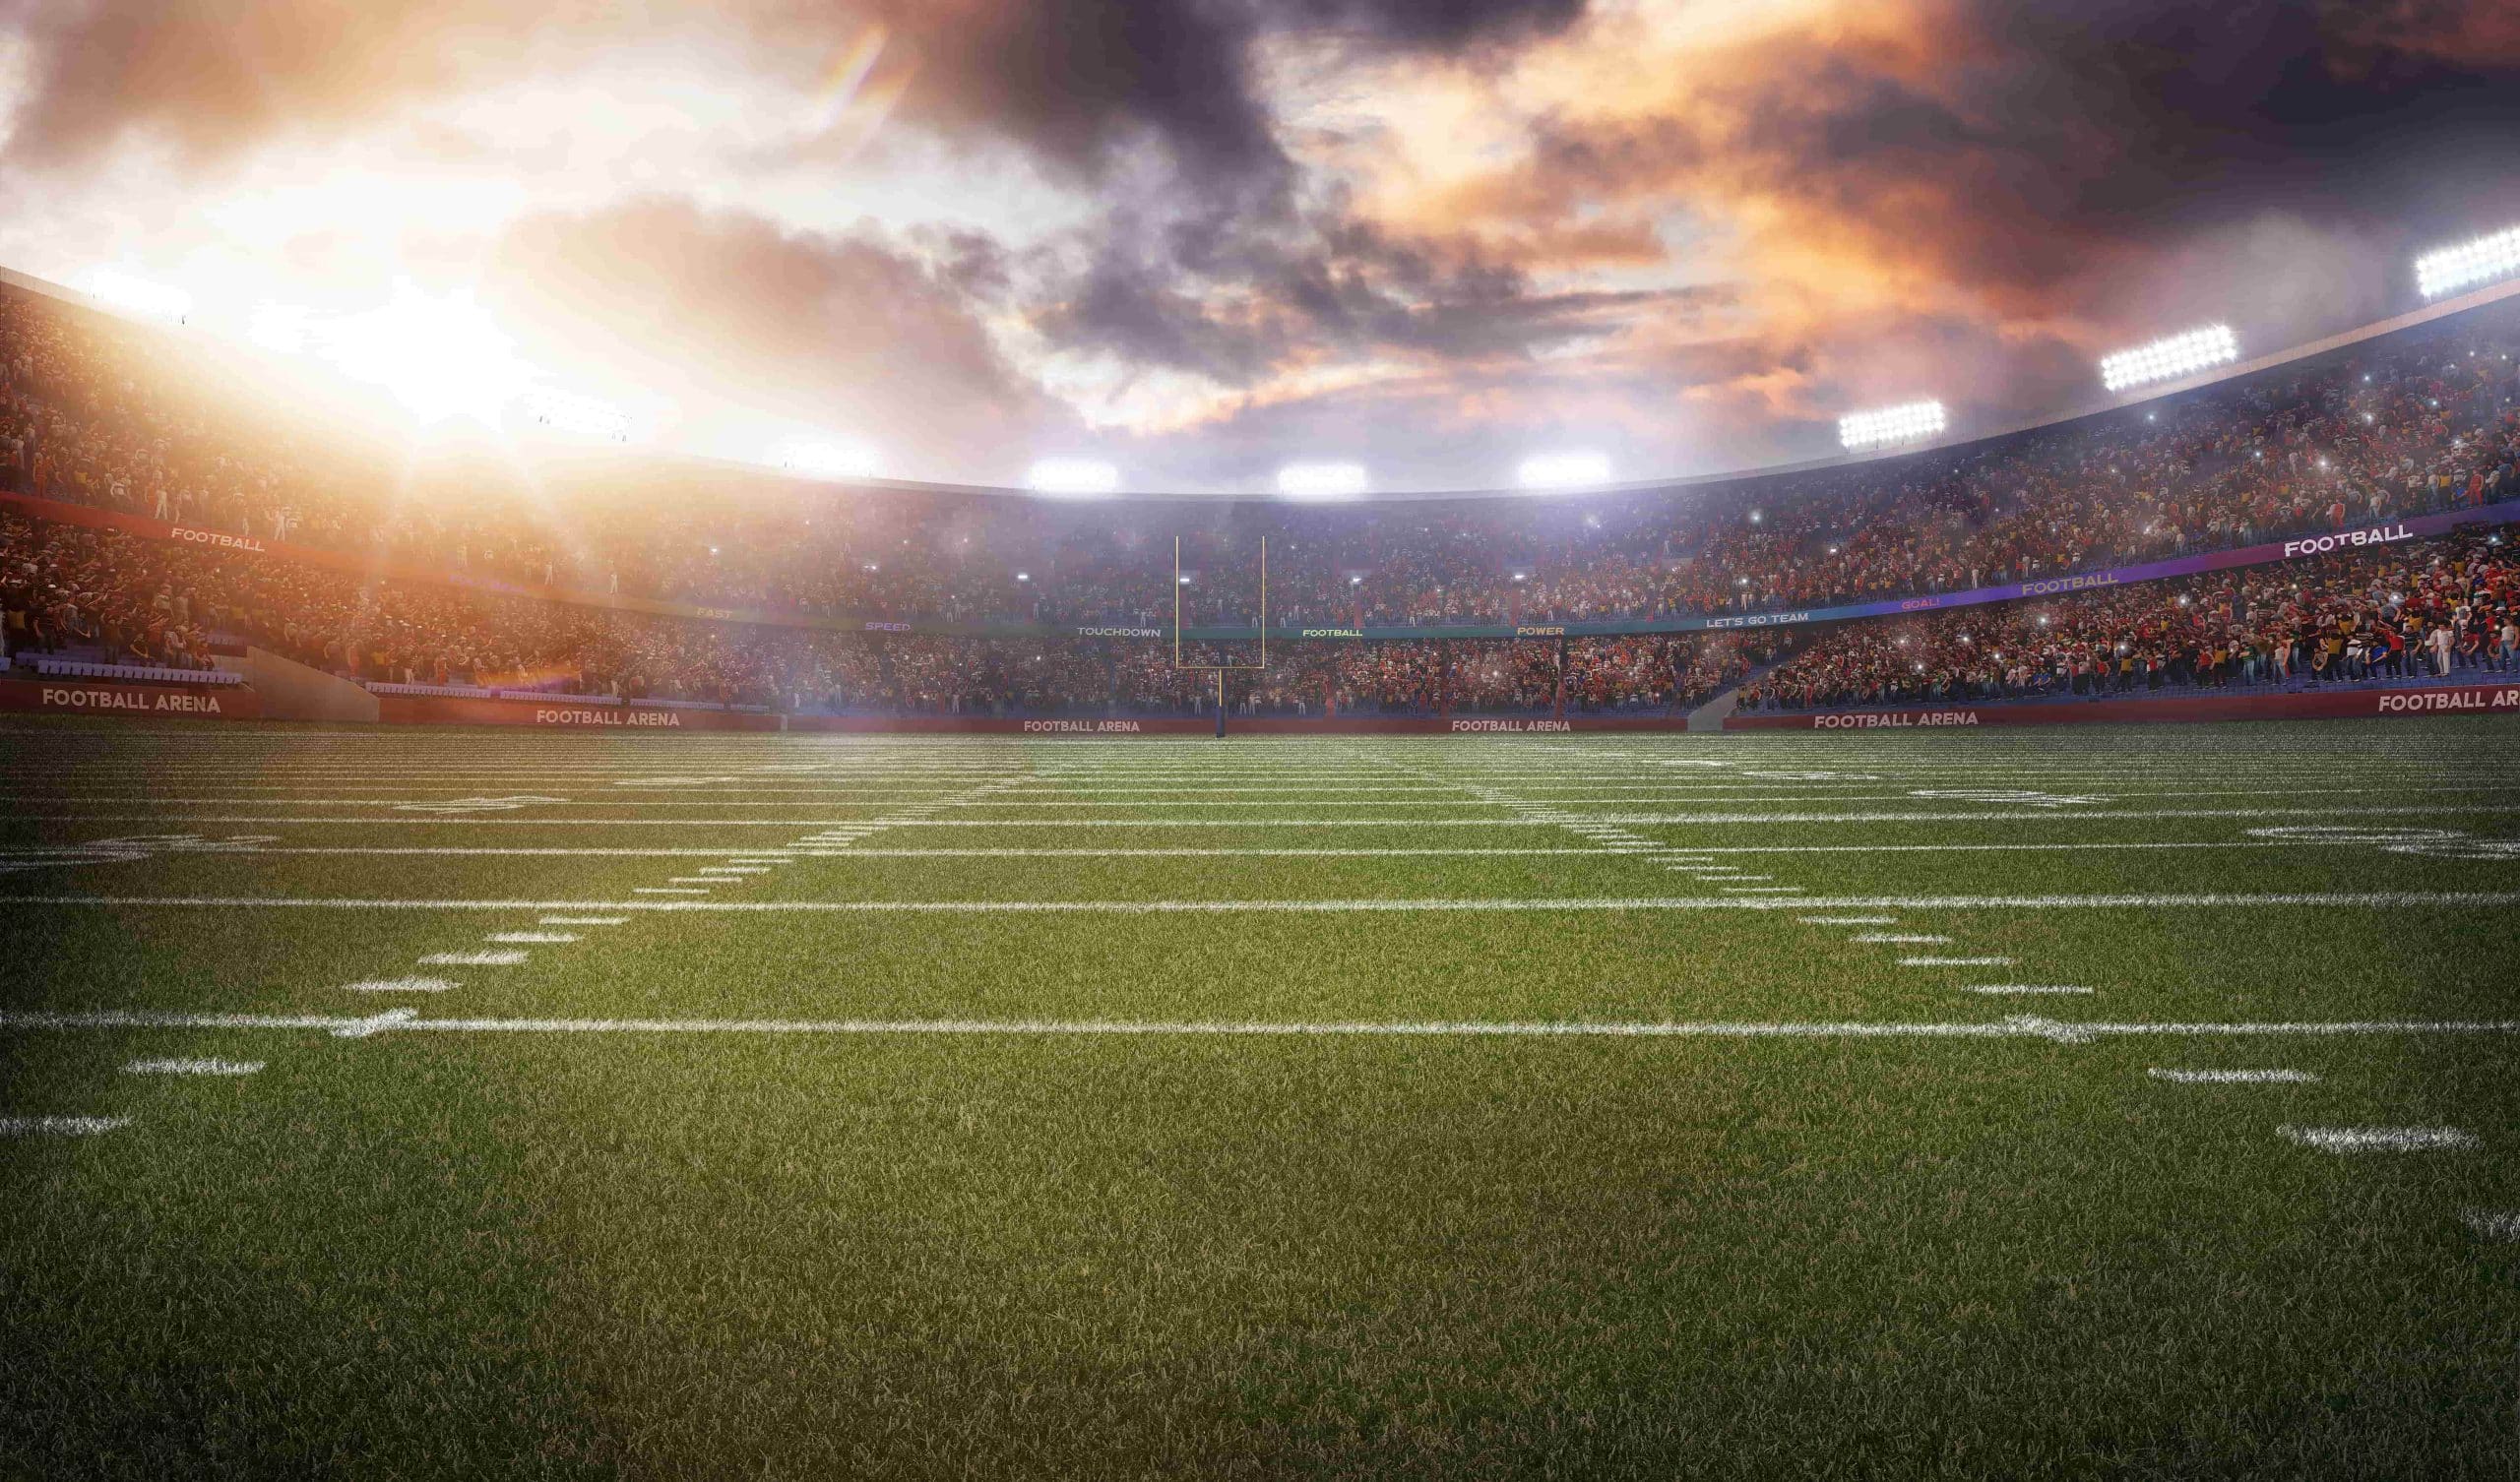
(1432, 24)
(1254, 295)
(1070, 80)
(2044, 140)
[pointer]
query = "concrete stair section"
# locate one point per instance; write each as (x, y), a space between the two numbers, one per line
(1710, 715)
(291, 691)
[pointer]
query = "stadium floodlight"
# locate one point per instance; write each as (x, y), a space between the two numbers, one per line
(1859, 430)
(2170, 358)
(815, 460)
(1072, 475)
(440, 356)
(1321, 480)
(2468, 263)
(1565, 470)
(116, 289)
(277, 327)
(565, 412)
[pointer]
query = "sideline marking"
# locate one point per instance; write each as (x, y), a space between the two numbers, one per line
(193, 1067)
(400, 985)
(2234, 1077)
(1689, 859)
(2377, 898)
(59, 1127)
(472, 959)
(2380, 1138)
(2016, 1026)
(476, 821)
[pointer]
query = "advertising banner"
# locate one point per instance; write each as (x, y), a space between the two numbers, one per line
(90, 696)
(451, 709)
(2318, 705)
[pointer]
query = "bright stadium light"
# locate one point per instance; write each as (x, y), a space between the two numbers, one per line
(1563, 470)
(277, 327)
(2170, 358)
(116, 289)
(566, 411)
(439, 356)
(1321, 480)
(2470, 263)
(815, 460)
(1072, 475)
(1891, 424)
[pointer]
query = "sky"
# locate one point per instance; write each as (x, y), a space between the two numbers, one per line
(1202, 238)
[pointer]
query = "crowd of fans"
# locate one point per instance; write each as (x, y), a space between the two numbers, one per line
(116, 598)
(2418, 422)
(2434, 609)
(2423, 421)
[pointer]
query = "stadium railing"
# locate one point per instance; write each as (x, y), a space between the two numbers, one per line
(72, 668)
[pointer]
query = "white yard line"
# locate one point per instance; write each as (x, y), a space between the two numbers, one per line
(59, 1127)
(400, 985)
(2381, 1139)
(471, 959)
(2059, 816)
(2378, 899)
(193, 1067)
(1998, 990)
(1956, 961)
(2234, 1077)
(374, 1024)
(581, 920)
(403, 1020)
(552, 938)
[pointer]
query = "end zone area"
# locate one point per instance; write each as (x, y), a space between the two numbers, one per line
(2131, 1100)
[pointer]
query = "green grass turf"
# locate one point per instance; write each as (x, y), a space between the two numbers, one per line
(434, 1253)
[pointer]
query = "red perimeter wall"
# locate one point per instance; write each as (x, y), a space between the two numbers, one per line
(90, 696)
(87, 697)
(2462, 700)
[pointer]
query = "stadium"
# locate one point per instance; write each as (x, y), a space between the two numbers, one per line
(1053, 745)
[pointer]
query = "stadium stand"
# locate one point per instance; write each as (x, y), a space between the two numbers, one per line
(255, 532)
(2442, 611)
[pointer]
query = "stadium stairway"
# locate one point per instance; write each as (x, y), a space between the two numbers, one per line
(1710, 715)
(291, 691)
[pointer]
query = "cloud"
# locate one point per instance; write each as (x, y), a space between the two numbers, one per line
(209, 78)
(1442, 228)
(741, 327)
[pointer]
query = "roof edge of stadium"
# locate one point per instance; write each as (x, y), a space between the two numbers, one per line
(2102, 406)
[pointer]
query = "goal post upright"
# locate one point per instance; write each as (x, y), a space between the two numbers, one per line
(1220, 669)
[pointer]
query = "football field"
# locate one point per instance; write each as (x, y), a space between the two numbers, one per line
(2095, 1101)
